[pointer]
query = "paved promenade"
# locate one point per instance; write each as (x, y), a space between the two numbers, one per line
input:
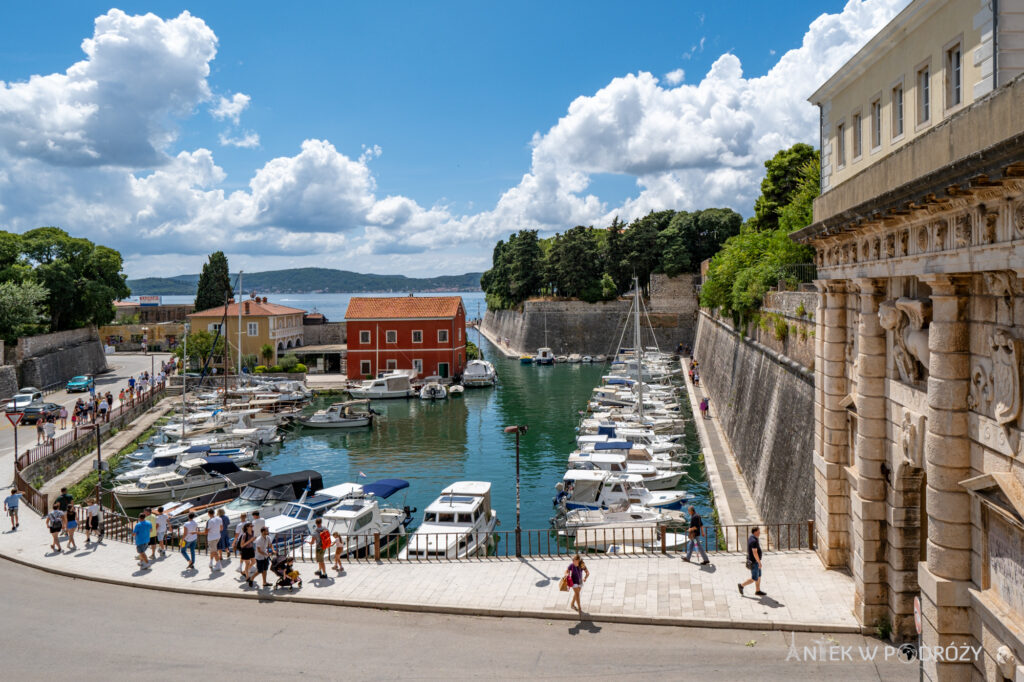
(632, 589)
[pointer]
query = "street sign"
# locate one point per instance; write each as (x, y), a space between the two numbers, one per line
(917, 614)
(15, 417)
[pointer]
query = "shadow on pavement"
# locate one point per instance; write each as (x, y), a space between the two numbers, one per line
(587, 625)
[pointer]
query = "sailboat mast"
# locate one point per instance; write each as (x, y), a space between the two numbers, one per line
(636, 344)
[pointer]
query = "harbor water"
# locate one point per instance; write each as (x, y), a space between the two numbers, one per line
(432, 444)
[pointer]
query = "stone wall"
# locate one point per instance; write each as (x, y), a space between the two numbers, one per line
(51, 358)
(320, 334)
(595, 328)
(766, 404)
(8, 381)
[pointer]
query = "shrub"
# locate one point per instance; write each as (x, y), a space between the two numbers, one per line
(275, 369)
(288, 362)
(781, 328)
(803, 333)
(260, 369)
(299, 367)
(800, 310)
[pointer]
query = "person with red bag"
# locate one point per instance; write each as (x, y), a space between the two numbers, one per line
(576, 575)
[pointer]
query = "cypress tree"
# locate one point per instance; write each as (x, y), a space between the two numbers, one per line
(214, 282)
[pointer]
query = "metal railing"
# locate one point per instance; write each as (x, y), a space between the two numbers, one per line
(639, 540)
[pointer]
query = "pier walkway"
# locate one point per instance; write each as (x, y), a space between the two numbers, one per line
(733, 500)
(802, 596)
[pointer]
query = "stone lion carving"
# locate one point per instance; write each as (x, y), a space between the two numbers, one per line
(906, 319)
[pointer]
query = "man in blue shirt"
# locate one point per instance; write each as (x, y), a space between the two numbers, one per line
(142, 531)
(11, 507)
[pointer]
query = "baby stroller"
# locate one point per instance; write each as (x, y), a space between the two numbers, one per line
(284, 568)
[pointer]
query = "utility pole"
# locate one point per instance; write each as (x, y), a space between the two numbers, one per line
(518, 429)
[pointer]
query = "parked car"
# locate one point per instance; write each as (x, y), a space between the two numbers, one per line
(23, 398)
(80, 383)
(40, 410)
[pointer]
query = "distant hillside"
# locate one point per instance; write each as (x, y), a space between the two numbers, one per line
(312, 280)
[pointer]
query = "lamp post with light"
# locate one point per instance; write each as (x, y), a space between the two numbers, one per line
(518, 429)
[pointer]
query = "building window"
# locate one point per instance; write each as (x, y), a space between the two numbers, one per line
(876, 124)
(858, 141)
(253, 328)
(840, 145)
(897, 111)
(364, 367)
(417, 336)
(442, 336)
(954, 76)
(392, 364)
(364, 337)
(391, 336)
(924, 95)
(213, 327)
(417, 365)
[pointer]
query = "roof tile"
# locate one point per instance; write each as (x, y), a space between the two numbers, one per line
(403, 307)
(256, 308)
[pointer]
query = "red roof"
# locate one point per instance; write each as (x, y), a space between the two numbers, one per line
(403, 308)
(255, 308)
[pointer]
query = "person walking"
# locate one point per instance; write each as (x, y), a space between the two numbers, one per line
(239, 527)
(104, 406)
(50, 429)
(694, 533)
(40, 431)
(162, 522)
(262, 546)
(214, 527)
(63, 416)
(339, 547)
(754, 559)
(151, 518)
(121, 398)
(55, 523)
(576, 575)
(92, 521)
(247, 553)
(11, 503)
(224, 544)
(321, 541)
(189, 537)
(64, 501)
(142, 533)
(257, 523)
(71, 523)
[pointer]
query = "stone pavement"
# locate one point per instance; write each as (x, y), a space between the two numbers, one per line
(503, 348)
(733, 500)
(802, 596)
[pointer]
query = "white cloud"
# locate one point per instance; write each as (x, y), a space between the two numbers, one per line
(675, 77)
(230, 109)
(248, 140)
(90, 149)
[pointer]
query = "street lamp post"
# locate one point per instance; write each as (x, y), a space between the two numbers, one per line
(518, 429)
(145, 340)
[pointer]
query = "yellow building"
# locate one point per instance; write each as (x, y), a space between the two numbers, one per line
(261, 323)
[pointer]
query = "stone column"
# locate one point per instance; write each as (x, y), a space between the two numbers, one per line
(867, 502)
(831, 506)
(945, 576)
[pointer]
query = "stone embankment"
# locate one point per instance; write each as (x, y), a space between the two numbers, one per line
(765, 402)
(51, 358)
(595, 328)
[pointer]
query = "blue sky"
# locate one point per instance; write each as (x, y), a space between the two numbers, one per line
(463, 106)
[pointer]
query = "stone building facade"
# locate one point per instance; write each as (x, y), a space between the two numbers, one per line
(918, 449)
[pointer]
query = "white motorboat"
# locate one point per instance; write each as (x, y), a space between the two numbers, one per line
(190, 478)
(394, 384)
(340, 416)
(459, 523)
(291, 527)
(478, 373)
(594, 489)
(433, 389)
(544, 356)
(561, 358)
(600, 358)
(361, 520)
(619, 516)
(164, 462)
(269, 496)
(455, 391)
(574, 358)
(651, 477)
(587, 359)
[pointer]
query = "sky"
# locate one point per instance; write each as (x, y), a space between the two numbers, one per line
(396, 137)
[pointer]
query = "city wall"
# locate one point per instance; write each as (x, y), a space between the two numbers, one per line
(765, 402)
(594, 328)
(323, 334)
(50, 358)
(8, 381)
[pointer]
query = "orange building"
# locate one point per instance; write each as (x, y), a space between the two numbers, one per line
(424, 333)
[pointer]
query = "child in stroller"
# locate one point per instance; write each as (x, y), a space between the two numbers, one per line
(284, 568)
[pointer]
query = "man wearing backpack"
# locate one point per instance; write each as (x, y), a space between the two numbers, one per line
(321, 540)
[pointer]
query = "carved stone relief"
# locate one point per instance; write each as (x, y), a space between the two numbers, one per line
(876, 248)
(939, 240)
(1005, 356)
(907, 318)
(988, 230)
(911, 439)
(962, 231)
(1018, 219)
(979, 398)
(922, 239)
(890, 245)
(905, 243)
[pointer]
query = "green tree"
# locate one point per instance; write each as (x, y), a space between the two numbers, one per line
(12, 267)
(798, 214)
(267, 353)
(694, 237)
(782, 179)
(21, 309)
(82, 279)
(576, 259)
(525, 274)
(201, 347)
(609, 290)
(642, 249)
(616, 255)
(214, 282)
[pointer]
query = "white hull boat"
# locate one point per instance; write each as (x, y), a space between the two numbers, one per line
(478, 373)
(458, 524)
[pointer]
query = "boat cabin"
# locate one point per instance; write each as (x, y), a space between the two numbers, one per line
(462, 504)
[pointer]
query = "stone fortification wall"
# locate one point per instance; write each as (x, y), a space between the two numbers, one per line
(320, 334)
(8, 381)
(50, 358)
(594, 328)
(765, 402)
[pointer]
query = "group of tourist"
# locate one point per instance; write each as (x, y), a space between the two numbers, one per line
(63, 519)
(694, 372)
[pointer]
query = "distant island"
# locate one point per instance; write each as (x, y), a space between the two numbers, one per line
(311, 280)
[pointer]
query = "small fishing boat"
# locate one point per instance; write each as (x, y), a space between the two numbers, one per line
(600, 358)
(526, 359)
(455, 391)
(544, 356)
(479, 373)
(561, 358)
(394, 384)
(459, 523)
(433, 389)
(574, 358)
(594, 489)
(587, 359)
(340, 416)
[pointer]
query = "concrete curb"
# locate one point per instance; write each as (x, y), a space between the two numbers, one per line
(715, 623)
